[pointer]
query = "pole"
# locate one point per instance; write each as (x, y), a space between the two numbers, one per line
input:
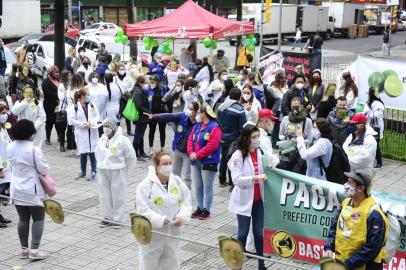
(59, 44)
(390, 29)
(280, 26)
(133, 40)
(261, 31)
(70, 11)
(239, 18)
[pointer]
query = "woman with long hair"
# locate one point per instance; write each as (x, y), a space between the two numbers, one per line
(78, 82)
(64, 88)
(316, 92)
(374, 110)
(125, 85)
(246, 201)
(204, 77)
(349, 90)
(216, 87)
(328, 102)
(29, 107)
(114, 96)
(204, 150)
(98, 95)
(318, 155)
(250, 103)
(50, 88)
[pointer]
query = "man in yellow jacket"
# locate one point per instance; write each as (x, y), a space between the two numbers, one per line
(359, 230)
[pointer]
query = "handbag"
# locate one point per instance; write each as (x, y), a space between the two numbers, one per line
(61, 116)
(47, 181)
(375, 127)
(130, 112)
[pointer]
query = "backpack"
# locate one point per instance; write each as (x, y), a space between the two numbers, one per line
(338, 165)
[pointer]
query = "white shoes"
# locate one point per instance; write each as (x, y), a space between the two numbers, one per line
(36, 254)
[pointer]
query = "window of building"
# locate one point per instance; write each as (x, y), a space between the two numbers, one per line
(148, 14)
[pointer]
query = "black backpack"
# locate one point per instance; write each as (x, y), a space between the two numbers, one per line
(338, 165)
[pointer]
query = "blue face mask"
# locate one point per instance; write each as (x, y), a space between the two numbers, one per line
(88, 99)
(351, 128)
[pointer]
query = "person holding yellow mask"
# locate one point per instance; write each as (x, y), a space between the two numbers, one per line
(29, 107)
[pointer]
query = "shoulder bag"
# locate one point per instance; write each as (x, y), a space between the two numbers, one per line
(47, 181)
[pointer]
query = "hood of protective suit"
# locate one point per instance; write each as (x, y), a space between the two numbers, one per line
(370, 131)
(152, 175)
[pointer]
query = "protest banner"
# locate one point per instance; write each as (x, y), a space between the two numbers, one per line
(298, 214)
(387, 75)
(271, 60)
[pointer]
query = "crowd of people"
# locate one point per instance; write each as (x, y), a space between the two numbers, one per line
(227, 128)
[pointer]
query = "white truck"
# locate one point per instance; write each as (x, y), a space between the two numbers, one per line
(344, 14)
(20, 18)
(314, 19)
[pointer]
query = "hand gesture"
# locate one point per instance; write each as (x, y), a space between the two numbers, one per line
(88, 125)
(178, 222)
(328, 254)
(27, 99)
(193, 156)
(149, 115)
(260, 177)
(166, 221)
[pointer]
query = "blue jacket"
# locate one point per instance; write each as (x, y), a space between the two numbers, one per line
(159, 70)
(183, 128)
(101, 70)
(232, 119)
(200, 137)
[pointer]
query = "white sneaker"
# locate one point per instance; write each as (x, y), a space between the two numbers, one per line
(36, 254)
(116, 227)
(24, 253)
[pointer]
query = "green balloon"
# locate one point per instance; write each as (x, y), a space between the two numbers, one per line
(170, 39)
(250, 36)
(214, 44)
(165, 44)
(251, 48)
(120, 32)
(147, 40)
(117, 39)
(161, 49)
(168, 51)
(123, 39)
(207, 42)
(253, 40)
(155, 43)
(148, 46)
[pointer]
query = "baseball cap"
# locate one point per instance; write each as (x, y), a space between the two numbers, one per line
(360, 176)
(359, 118)
(267, 113)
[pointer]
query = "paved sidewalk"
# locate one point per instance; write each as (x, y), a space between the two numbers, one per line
(79, 243)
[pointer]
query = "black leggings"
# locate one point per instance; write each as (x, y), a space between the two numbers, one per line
(70, 139)
(38, 215)
(49, 124)
(151, 135)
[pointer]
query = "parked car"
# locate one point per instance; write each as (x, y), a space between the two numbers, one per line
(107, 29)
(31, 39)
(44, 51)
(91, 44)
(70, 30)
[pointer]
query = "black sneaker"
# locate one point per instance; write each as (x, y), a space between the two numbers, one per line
(140, 159)
(4, 220)
(204, 215)
(196, 214)
(48, 142)
(144, 155)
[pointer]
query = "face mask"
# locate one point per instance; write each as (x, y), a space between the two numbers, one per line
(188, 112)
(82, 54)
(255, 143)
(3, 118)
(341, 113)
(316, 79)
(351, 129)
(246, 97)
(88, 99)
(241, 77)
(224, 77)
(296, 110)
(349, 190)
(178, 89)
(198, 119)
(107, 131)
(219, 56)
(299, 85)
(194, 91)
(95, 80)
(165, 170)
(55, 76)
(145, 86)
(270, 129)
(121, 72)
(153, 85)
(315, 133)
(85, 64)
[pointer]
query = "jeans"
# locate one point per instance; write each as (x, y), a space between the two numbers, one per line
(385, 49)
(2, 71)
(257, 215)
(298, 41)
(151, 135)
(38, 215)
(181, 161)
(138, 142)
(203, 182)
(378, 156)
(83, 162)
(223, 163)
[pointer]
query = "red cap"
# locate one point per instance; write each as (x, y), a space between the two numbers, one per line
(267, 113)
(359, 118)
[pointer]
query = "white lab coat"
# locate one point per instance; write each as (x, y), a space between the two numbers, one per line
(35, 113)
(252, 115)
(157, 204)
(216, 87)
(4, 162)
(362, 157)
(242, 173)
(266, 146)
(375, 114)
(99, 97)
(86, 71)
(25, 184)
(203, 78)
(113, 105)
(85, 138)
(114, 157)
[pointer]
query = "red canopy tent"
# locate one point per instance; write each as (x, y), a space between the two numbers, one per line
(189, 21)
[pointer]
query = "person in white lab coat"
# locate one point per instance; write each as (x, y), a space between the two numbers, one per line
(26, 162)
(98, 96)
(28, 107)
(250, 103)
(86, 68)
(216, 87)
(84, 116)
(114, 154)
(113, 98)
(246, 201)
(4, 163)
(164, 199)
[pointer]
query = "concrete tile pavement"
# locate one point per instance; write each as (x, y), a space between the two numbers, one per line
(79, 243)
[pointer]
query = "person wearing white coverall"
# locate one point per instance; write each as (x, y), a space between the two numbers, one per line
(114, 154)
(164, 199)
(30, 108)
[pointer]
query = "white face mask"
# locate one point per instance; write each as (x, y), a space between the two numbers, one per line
(224, 77)
(255, 143)
(240, 77)
(188, 112)
(3, 118)
(121, 72)
(299, 85)
(246, 97)
(194, 91)
(178, 89)
(165, 170)
(315, 133)
(145, 86)
(107, 131)
(82, 54)
(95, 80)
(349, 190)
(153, 85)
(198, 118)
